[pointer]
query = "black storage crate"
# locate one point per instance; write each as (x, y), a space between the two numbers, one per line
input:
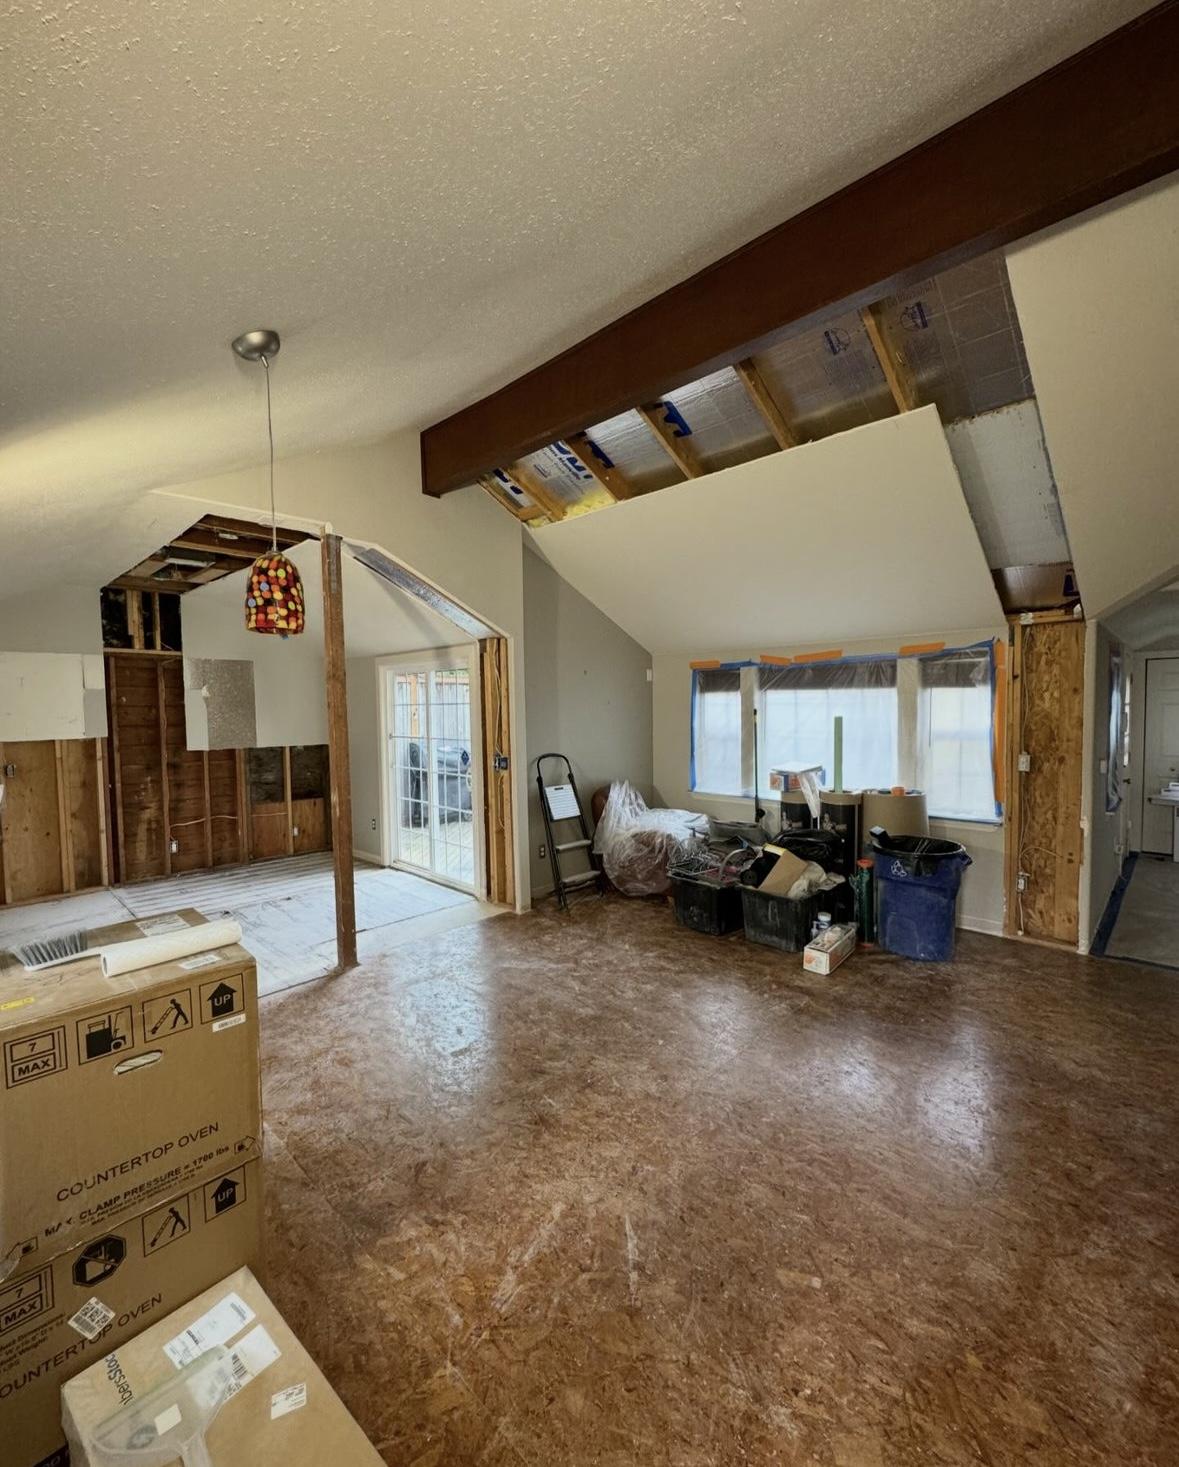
(707, 906)
(778, 921)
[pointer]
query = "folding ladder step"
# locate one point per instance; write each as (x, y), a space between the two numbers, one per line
(583, 878)
(572, 845)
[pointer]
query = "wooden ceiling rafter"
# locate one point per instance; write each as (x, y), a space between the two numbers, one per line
(502, 496)
(678, 446)
(896, 371)
(766, 403)
(208, 550)
(603, 468)
(527, 482)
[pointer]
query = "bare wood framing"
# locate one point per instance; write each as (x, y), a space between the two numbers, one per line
(681, 451)
(208, 809)
(104, 809)
(895, 369)
(112, 683)
(340, 771)
(1100, 123)
(64, 832)
(611, 478)
(539, 493)
(165, 793)
(5, 875)
(286, 794)
(243, 806)
(521, 511)
(765, 402)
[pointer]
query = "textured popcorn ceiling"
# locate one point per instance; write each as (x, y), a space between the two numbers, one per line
(424, 200)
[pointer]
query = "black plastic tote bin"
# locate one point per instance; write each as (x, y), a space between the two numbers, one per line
(778, 921)
(707, 906)
(917, 880)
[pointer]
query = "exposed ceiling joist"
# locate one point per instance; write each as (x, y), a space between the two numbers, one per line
(539, 493)
(895, 369)
(611, 478)
(676, 445)
(766, 404)
(1099, 124)
(502, 494)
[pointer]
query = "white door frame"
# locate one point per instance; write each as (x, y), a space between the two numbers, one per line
(434, 659)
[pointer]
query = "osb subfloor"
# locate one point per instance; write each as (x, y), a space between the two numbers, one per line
(596, 1190)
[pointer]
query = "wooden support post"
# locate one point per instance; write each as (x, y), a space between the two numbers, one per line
(681, 451)
(895, 368)
(765, 402)
(112, 691)
(208, 810)
(64, 832)
(340, 769)
(611, 478)
(104, 809)
(286, 794)
(165, 793)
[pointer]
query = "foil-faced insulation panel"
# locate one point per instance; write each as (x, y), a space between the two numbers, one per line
(827, 378)
(959, 335)
(1006, 476)
(630, 444)
(726, 427)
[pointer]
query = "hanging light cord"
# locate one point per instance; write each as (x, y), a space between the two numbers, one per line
(270, 437)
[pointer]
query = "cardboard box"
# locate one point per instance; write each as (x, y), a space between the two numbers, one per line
(284, 1415)
(824, 953)
(58, 1316)
(117, 1091)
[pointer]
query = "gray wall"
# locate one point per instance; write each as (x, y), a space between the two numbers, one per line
(586, 694)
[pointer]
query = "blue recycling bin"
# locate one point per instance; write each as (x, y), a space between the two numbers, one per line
(917, 880)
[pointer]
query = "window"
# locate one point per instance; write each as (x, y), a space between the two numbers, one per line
(797, 706)
(955, 764)
(716, 730)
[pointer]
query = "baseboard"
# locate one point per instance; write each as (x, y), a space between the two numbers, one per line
(991, 926)
(367, 857)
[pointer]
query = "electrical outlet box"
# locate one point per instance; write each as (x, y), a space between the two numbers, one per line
(1024, 763)
(1021, 881)
(542, 851)
(502, 762)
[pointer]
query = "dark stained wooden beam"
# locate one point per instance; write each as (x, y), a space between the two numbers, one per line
(1100, 123)
(339, 764)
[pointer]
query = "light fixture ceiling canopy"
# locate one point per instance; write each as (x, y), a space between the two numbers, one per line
(261, 344)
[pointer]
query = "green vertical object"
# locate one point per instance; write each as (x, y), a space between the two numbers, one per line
(838, 785)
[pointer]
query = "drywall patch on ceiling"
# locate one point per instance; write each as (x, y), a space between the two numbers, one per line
(1098, 300)
(1007, 480)
(865, 534)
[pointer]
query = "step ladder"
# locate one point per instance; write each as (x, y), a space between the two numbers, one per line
(559, 803)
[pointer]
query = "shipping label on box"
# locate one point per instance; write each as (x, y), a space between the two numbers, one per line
(57, 1317)
(281, 1411)
(117, 1090)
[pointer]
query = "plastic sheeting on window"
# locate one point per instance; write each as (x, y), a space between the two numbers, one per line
(797, 706)
(716, 730)
(955, 733)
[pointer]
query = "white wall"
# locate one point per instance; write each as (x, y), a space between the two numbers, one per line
(1098, 303)
(68, 621)
(364, 745)
(463, 543)
(980, 906)
(588, 697)
(45, 695)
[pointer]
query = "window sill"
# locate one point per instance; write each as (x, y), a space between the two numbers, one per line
(993, 822)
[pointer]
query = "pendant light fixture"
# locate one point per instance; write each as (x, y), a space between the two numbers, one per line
(274, 593)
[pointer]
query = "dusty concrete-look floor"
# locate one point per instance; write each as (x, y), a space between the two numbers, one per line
(597, 1190)
(1147, 927)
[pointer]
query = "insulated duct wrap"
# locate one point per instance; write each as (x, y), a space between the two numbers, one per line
(167, 947)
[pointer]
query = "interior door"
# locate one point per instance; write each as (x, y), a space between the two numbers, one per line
(1161, 749)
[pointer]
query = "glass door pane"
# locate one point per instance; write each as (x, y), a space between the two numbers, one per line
(452, 824)
(409, 742)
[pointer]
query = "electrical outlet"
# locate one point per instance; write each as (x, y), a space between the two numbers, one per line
(294, 830)
(542, 851)
(374, 822)
(1021, 881)
(1024, 763)
(175, 844)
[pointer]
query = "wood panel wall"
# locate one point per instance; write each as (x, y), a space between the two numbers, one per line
(53, 819)
(1046, 712)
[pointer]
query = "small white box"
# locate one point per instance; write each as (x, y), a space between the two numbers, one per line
(823, 954)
